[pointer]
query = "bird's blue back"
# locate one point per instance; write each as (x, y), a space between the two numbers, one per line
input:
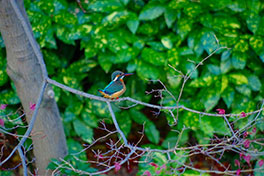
(113, 86)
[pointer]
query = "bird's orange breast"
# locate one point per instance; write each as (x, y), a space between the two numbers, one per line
(116, 94)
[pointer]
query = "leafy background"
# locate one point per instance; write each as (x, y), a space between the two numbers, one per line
(81, 50)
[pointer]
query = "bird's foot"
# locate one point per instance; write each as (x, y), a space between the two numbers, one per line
(115, 98)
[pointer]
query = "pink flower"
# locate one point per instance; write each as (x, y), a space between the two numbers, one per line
(154, 164)
(220, 111)
(246, 143)
(3, 106)
(98, 156)
(117, 167)
(238, 172)
(163, 167)
(147, 173)
(241, 155)
(245, 134)
(2, 122)
(247, 159)
(32, 106)
(254, 130)
(237, 163)
(243, 114)
(261, 162)
(158, 172)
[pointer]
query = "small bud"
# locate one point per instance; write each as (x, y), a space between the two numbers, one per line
(50, 94)
(260, 163)
(243, 114)
(220, 111)
(2, 122)
(117, 167)
(3, 106)
(147, 173)
(154, 164)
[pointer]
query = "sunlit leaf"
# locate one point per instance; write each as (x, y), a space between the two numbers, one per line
(151, 12)
(105, 5)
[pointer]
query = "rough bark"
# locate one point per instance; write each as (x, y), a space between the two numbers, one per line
(25, 70)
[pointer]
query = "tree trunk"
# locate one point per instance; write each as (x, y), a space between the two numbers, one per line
(24, 69)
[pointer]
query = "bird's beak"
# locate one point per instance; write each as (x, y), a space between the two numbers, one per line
(127, 74)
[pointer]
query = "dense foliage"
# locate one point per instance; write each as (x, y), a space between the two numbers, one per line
(81, 50)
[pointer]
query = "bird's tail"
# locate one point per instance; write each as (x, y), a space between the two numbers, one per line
(103, 93)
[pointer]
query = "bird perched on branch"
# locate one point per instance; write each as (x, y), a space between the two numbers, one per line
(116, 87)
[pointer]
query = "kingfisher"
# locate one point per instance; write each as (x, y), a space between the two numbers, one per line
(116, 87)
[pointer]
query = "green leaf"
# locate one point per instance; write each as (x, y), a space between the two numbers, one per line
(225, 55)
(73, 110)
(190, 67)
(153, 57)
(83, 130)
(167, 43)
(241, 46)
(75, 147)
(125, 2)
(147, 71)
(257, 169)
(131, 66)
(115, 18)
(211, 99)
(170, 16)
(148, 28)
(9, 97)
(138, 116)
(183, 27)
(228, 96)
(193, 9)
(132, 25)
(105, 61)
(139, 44)
(89, 118)
(226, 66)
(151, 132)
(100, 109)
(116, 42)
(123, 56)
(257, 43)
(254, 82)
(224, 83)
(262, 57)
(172, 138)
(239, 60)
(204, 81)
(124, 122)
(105, 5)
(238, 78)
(253, 22)
(211, 125)
(237, 7)
(209, 42)
(81, 66)
(150, 12)
(173, 57)
(177, 4)
(214, 69)
(244, 90)
(157, 46)
(3, 74)
(211, 95)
